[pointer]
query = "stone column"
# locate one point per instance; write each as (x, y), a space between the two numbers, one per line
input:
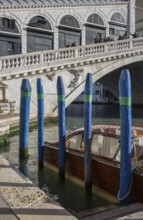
(107, 30)
(131, 18)
(83, 35)
(56, 38)
(24, 41)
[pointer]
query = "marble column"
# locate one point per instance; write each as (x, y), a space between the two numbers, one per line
(56, 42)
(131, 18)
(83, 35)
(24, 41)
(107, 30)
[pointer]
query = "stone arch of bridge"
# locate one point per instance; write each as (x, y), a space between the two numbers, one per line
(111, 66)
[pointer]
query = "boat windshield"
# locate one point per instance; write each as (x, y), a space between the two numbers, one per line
(136, 153)
(104, 146)
(75, 142)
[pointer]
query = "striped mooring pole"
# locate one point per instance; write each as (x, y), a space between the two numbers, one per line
(61, 125)
(88, 130)
(126, 137)
(40, 102)
(24, 118)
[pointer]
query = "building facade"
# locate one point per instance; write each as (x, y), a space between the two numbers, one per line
(101, 94)
(36, 25)
(139, 17)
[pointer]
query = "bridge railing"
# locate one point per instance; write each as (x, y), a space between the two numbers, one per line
(50, 56)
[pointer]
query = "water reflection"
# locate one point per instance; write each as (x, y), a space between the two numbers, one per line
(67, 193)
(99, 111)
(101, 114)
(103, 111)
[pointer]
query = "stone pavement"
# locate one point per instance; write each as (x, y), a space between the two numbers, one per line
(21, 199)
(12, 119)
(131, 212)
(4, 129)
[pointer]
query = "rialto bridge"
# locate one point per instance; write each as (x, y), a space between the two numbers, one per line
(103, 60)
(47, 38)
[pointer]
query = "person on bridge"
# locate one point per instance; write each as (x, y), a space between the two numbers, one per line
(73, 44)
(120, 37)
(135, 35)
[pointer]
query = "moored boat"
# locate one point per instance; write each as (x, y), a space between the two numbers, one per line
(105, 163)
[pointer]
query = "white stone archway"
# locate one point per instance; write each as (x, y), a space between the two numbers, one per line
(99, 73)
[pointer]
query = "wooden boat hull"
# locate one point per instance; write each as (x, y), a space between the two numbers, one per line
(105, 175)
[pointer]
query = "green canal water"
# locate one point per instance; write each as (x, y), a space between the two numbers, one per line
(70, 195)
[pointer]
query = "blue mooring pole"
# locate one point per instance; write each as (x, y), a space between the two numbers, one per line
(126, 137)
(87, 129)
(24, 118)
(61, 124)
(40, 100)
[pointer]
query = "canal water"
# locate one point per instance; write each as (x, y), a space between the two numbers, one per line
(69, 194)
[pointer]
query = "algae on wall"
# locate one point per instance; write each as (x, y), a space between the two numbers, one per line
(48, 121)
(4, 140)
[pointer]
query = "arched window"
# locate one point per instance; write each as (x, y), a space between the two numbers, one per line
(95, 19)
(117, 27)
(117, 17)
(40, 22)
(39, 34)
(95, 29)
(10, 38)
(8, 25)
(69, 21)
(69, 32)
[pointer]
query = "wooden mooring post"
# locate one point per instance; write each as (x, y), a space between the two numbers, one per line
(40, 102)
(24, 118)
(125, 138)
(61, 125)
(87, 130)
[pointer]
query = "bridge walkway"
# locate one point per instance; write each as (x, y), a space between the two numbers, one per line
(49, 61)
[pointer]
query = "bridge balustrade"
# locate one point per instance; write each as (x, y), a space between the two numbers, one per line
(50, 56)
(137, 42)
